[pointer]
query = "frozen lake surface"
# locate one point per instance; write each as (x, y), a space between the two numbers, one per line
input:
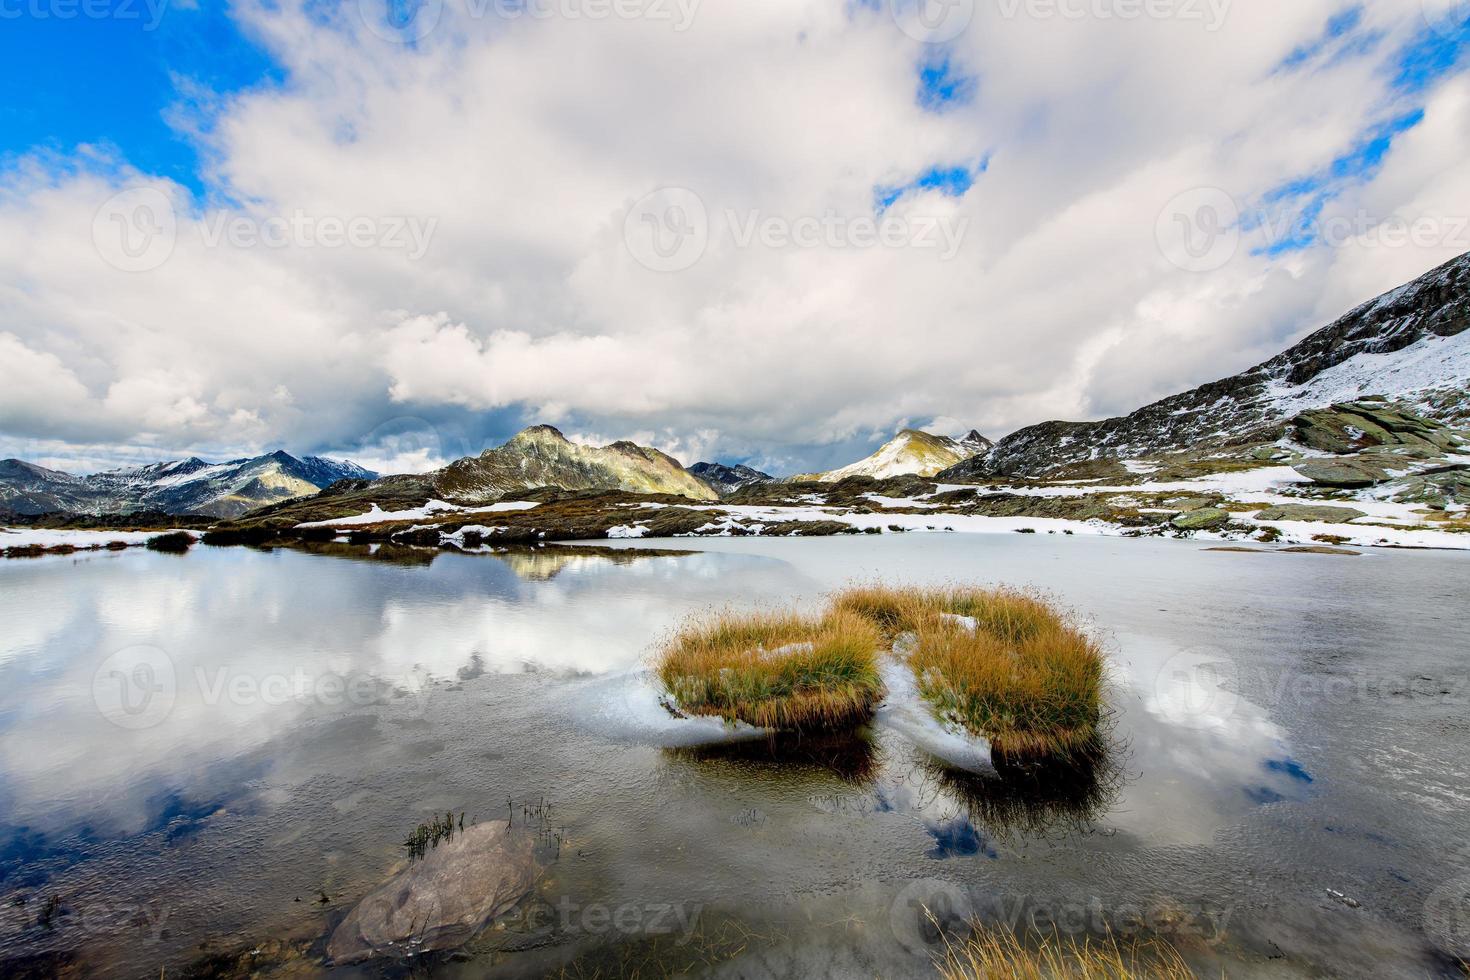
(225, 751)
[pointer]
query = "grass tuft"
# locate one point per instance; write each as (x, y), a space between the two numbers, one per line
(989, 953)
(1003, 664)
(776, 670)
(175, 542)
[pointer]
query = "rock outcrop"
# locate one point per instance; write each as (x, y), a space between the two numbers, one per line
(443, 900)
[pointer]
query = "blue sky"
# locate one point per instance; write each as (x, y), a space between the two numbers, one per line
(110, 81)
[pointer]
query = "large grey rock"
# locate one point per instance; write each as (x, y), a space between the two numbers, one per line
(1191, 503)
(441, 901)
(1310, 512)
(1344, 473)
(1204, 519)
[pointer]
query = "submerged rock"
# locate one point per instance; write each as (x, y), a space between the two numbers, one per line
(1310, 512)
(441, 901)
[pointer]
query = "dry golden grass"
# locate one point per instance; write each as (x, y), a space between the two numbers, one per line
(1019, 674)
(993, 954)
(775, 670)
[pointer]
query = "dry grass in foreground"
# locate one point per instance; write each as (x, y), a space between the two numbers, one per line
(1004, 665)
(992, 954)
(775, 670)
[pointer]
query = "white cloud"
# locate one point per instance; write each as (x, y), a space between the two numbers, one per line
(526, 142)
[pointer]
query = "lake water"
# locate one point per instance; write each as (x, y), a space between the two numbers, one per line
(225, 751)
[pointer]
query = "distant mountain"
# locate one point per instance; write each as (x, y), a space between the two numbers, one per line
(727, 479)
(1410, 345)
(542, 457)
(910, 453)
(186, 486)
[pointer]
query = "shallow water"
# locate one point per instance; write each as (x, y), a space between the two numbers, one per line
(225, 751)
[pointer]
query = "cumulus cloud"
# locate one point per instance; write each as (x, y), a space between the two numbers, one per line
(439, 231)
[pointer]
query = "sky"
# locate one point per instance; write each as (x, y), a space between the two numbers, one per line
(764, 231)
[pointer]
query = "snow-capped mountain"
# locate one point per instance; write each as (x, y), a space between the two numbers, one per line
(186, 486)
(542, 457)
(1410, 345)
(910, 453)
(727, 479)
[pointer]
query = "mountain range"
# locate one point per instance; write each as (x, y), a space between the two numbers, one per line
(910, 453)
(727, 479)
(541, 456)
(1409, 345)
(185, 486)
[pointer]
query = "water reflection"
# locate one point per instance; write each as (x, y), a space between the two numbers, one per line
(492, 676)
(851, 757)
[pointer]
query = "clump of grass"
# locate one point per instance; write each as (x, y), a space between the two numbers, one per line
(892, 610)
(777, 670)
(991, 953)
(176, 542)
(1005, 665)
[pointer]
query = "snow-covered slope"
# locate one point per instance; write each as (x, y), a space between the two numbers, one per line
(727, 479)
(186, 486)
(910, 453)
(1409, 344)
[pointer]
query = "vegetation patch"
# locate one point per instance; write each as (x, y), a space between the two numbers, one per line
(1004, 665)
(176, 542)
(777, 670)
(1000, 952)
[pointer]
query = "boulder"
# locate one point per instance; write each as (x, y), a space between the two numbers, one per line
(442, 900)
(1343, 473)
(1191, 503)
(1310, 512)
(1204, 519)
(1365, 424)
